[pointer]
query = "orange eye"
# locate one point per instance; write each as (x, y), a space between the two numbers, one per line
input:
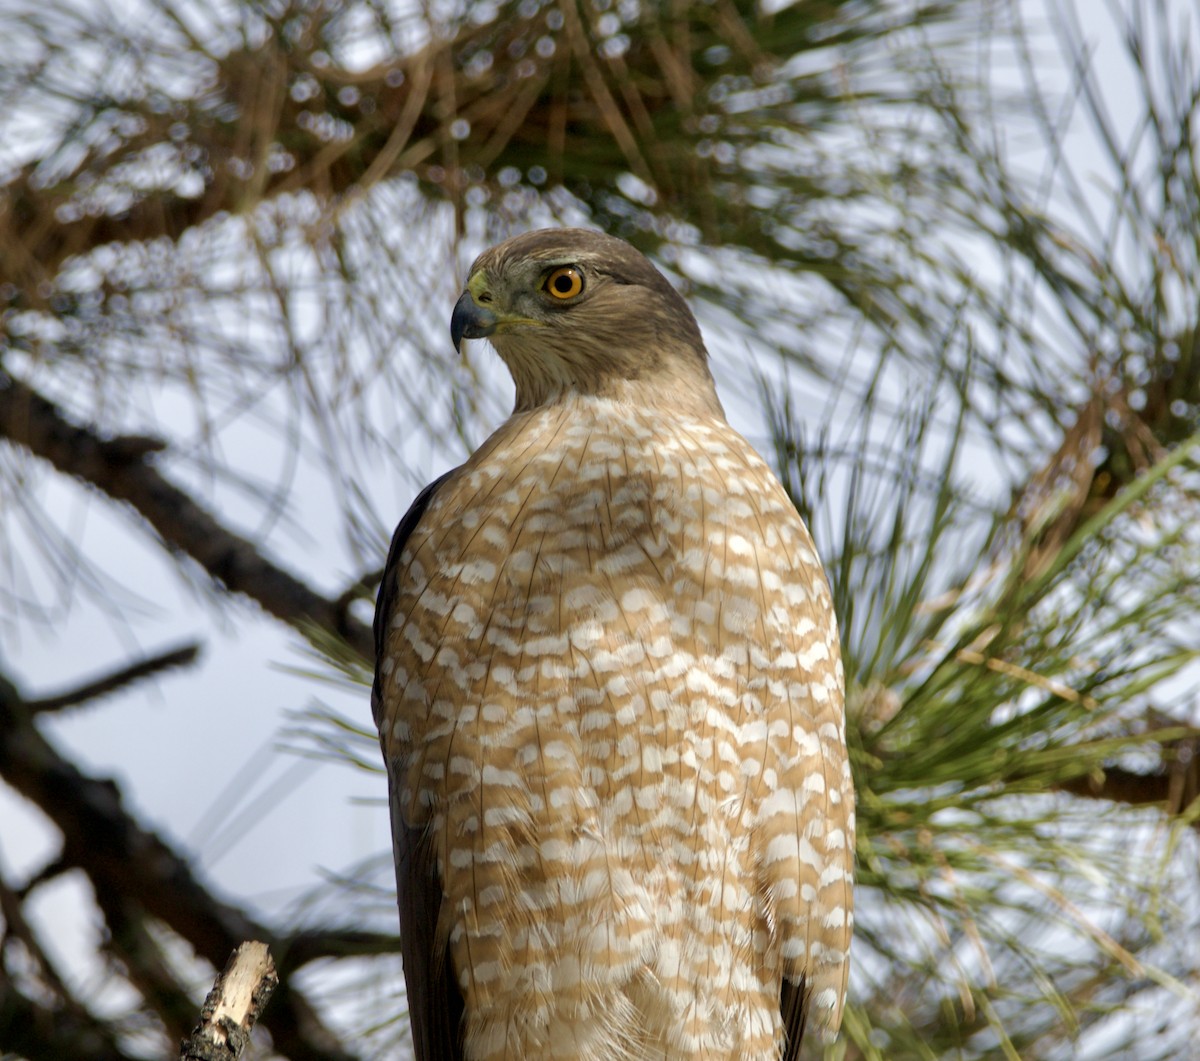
(564, 282)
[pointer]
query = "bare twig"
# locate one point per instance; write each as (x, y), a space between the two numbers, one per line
(116, 680)
(233, 1006)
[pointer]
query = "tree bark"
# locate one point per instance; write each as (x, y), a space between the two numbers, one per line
(233, 1006)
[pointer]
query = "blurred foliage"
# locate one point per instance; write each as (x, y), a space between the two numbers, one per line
(241, 226)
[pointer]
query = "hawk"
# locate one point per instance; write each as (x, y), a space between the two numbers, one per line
(610, 700)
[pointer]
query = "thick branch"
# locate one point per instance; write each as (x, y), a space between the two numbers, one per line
(234, 562)
(314, 944)
(56, 1024)
(37, 1033)
(129, 864)
(1172, 788)
(132, 943)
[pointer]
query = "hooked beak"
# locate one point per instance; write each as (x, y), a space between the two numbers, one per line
(470, 320)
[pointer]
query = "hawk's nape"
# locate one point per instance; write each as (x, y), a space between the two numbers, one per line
(610, 700)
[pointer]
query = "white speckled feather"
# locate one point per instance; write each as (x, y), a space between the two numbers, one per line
(613, 695)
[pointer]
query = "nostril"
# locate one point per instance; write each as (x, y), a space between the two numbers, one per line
(485, 298)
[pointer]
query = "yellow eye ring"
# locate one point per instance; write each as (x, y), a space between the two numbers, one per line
(564, 282)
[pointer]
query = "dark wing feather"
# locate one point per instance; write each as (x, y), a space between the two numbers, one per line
(435, 1005)
(387, 586)
(793, 1005)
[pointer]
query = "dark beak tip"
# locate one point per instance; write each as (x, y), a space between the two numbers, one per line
(470, 321)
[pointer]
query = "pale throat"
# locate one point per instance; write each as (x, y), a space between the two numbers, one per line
(666, 384)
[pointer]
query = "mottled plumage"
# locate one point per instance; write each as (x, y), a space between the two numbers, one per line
(609, 695)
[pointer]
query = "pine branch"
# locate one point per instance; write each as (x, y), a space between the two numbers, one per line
(116, 680)
(131, 941)
(252, 136)
(32, 421)
(54, 1024)
(35, 1033)
(128, 864)
(1172, 788)
(313, 945)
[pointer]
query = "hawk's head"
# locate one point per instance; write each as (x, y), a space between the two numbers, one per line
(573, 311)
